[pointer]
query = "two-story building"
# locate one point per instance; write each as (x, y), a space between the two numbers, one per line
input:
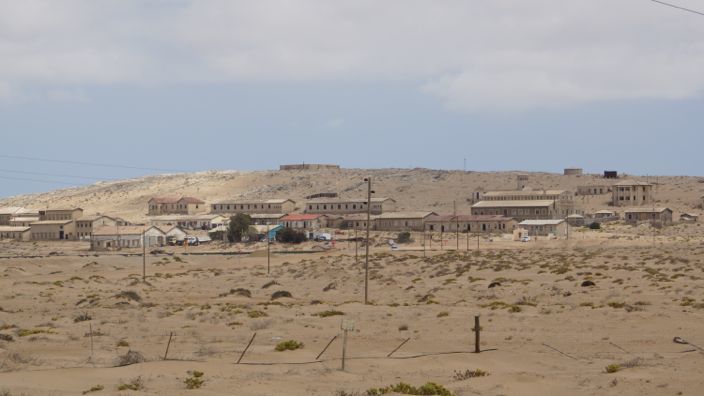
(172, 205)
(86, 224)
(519, 210)
(632, 193)
(470, 223)
(350, 206)
(266, 206)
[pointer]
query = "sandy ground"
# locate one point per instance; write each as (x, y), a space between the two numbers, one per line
(542, 332)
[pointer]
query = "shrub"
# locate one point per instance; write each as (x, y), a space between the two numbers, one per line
(330, 312)
(123, 343)
(131, 357)
(239, 226)
(82, 317)
(403, 237)
(281, 294)
(612, 368)
(96, 388)
(467, 374)
(403, 388)
(289, 345)
(134, 384)
(594, 226)
(195, 381)
(403, 328)
(443, 314)
(289, 235)
(256, 314)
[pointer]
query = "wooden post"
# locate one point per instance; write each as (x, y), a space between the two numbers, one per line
(344, 349)
(467, 239)
(477, 330)
(326, 347)
(90, 327)
(246, 348)
(356, 256)
(477, 242)
(168, 344)
(268, 250)
(424, 244)
(144, 257)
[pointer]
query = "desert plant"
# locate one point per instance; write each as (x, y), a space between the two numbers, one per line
(281, 294)
(256, 314)
(328, 313)
(239, 225)
(443, 314)
(595, 226)
(82, 317)
(134, 384)
(195, 380)
(430, 388)
(289, 235)
(289, 345)
(131, 357)
(96, 388)
(612, 368)
(123, 343)
(403, 237)
(467, 374)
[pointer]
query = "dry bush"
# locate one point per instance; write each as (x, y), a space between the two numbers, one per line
(131, 357)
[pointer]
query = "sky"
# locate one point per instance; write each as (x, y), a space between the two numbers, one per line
(101, 90)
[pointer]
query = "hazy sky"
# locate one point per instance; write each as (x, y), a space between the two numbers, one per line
(197, 85)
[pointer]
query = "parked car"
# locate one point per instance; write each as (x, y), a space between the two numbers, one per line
(191, 241)
(525, 239)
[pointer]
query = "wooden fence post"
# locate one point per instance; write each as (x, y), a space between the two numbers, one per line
(168, 344)
(477, 330)
(246, 348)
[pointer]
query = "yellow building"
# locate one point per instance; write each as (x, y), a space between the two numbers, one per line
(267, 206)
(57, 230)
(350, 206)
(16, 233)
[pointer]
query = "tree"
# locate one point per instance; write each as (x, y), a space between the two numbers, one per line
(239, 226)
(403, 237)
(595, 226)
(289, 235)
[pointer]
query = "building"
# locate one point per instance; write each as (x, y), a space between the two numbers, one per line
(175, 233)
(632, 193)
(554, 227)
(470, 223)
(521, 181)
(598, 189)
(304, 221)
(605, 214)
(86, 224)
(172, 205)
(126, 237)
(402, 221)
(305, 166)
(350, 206)
(573, 172)
(576, 220)
(10, 212)
(356, 221)
(519, 210)
(267, 231)
(689, 217)
(610, 174)
(655, 216)
(53, 230)
(23, 221)
(564, 200)
(265, 218)
(60, 214)
(17, 233)
(193, 222)
(267, 206)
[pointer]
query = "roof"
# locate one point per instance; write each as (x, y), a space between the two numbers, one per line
(541, 222)
(192, 200)
(575, 216)
(25, 218)
(61, 210)
(13, 229)
(604, 211)
(123, 230)
(523, 192)
(352, 200)
(15, 210)
(689, 215)
(184, 217)
(255, 201)
(93, 218)
(51, 222)
(264, 228)
(404, 215)
(164, 200)
(301, 217)
(646, 210)
(514, 204)
(632, 183)
(468, 218)
(267, 215)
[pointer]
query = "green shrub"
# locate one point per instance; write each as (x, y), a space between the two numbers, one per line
(134, 384)
(467, 374)
(195, 380)
(289, 235)
(594, 226)
(403, 388)
(96, 388)
(289, 345)
(612, 368)
(403, 237)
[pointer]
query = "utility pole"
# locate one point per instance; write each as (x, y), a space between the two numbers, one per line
(268, 249)
(356, 259)
(144, 256)
(366, 259)
(457, 226)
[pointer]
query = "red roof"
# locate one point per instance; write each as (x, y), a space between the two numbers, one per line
(192, 200)
(301, 217)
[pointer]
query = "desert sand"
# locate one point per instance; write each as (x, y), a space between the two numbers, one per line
(73, 320)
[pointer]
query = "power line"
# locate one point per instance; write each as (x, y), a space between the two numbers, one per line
(678, 7)
(51, 174)
(102, 165)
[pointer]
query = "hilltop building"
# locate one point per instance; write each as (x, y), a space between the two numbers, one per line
(171, 205)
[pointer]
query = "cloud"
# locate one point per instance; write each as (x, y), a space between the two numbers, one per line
(473, 55)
